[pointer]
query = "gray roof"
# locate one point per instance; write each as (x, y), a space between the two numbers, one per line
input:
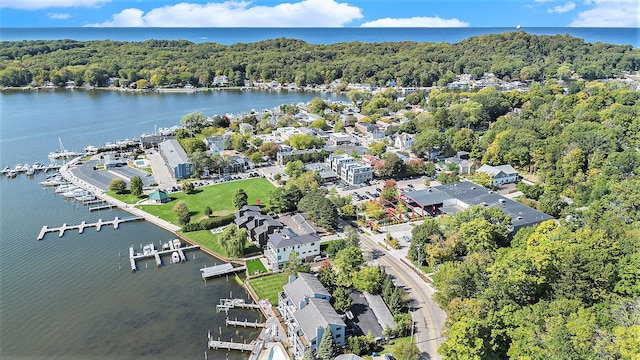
(277, 240)
(380, 309)
(494, 170)
(173, 153)
(348, 357)
(306, 285)
(459, 195)
(318, 313)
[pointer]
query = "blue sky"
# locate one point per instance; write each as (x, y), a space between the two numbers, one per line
(320, 13)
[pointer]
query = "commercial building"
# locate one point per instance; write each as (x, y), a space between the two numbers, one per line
(451, 198)
(176, 159)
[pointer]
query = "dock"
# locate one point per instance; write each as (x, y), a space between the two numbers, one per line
(226, 304)
(153, 253)
(219, 270)
(230, 345)
(244, 323)
(102, 207)
(98, 225)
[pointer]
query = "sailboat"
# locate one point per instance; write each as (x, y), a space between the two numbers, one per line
(62, 152)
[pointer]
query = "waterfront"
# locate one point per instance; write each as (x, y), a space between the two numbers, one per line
(74, 297)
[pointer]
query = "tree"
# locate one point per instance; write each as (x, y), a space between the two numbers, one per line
(193, 122)
(368, 279)
(201, 161)
(304, 141)
(347, 263)
(182, 212)
(191, 145)
(392, 165)
(373, 210)
(338, 127)
(188, 187)
(136, 186)
(351, 236)
(208, 211)
(389, 190)
(234, 240)
(118, 186)
(327, 350)
(377, 148)
(406, 352)
(240, 198)
(294, 168)
(295, 264)
(341, 300)
(309, 355)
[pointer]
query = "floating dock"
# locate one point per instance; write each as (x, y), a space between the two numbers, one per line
(219, 270)
(102, 207)
(152, 252)
(98, 225)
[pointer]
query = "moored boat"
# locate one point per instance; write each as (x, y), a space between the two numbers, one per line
(175, 258)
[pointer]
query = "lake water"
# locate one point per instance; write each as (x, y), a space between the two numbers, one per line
(75, 297)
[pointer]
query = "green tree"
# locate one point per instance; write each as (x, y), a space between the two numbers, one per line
(377, 148)
(234, 240)
(136, 186)
(118, 186)
(296, 264)
(327, 349)
(194, 122)
(407, 352)
(338, 127)
(341, 300)
(188, 187)
(294, 168)
(389, 190)
(348, 261)
(191, 145)
(368, 279)
(208, 211)
(308, 355)
(240, 198)
(351, 236)
(182, 212)
(304, 141)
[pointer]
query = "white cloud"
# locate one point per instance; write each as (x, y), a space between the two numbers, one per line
(305, 13)
(58, 16)
(416, 22)
(544, 1)
(45, 4)
(610, 13)
(559, 9)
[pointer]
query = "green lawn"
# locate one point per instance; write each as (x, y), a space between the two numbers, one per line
(206, 239)
(269, 286)
(255, 266)
(210, 241)
(126, 197)
(218, 197)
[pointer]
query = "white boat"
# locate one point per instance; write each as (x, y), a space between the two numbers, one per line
(175, 258)
(62, 152)
(86, 197)
(5, 170)
(12, 174)
(176, 243)
(64, 188)
(74, 193)
(30, 172)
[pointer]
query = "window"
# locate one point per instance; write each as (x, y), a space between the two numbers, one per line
(313, 244)
(338, 336)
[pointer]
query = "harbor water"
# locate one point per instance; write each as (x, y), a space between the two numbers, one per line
(75, 296)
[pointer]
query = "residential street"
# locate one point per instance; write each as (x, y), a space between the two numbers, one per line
(429, 318)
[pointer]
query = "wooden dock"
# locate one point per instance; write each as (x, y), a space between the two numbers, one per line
(219, 270)
(102, 207)
(244, 323)
(230, 345)
(133, 256)
(226, 304)
(98, 225)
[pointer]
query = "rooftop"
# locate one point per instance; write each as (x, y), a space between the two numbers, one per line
(305, 285)
(173, 153)
(318, 313)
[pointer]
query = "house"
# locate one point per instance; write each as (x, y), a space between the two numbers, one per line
(259, 226)
(404, 141)
(245, 129)
(221, 80)
(502, 174)
(216, 144)
(159, 197)
(349, 170)
(283, 242)
(149, 141)
(305, 307)
(461, 159)
(176, 159)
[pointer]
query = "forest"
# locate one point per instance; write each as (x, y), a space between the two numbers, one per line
(510, 55)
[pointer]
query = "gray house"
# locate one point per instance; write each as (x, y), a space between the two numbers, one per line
(176, 159)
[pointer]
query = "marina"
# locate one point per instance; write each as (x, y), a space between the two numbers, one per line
(98, 225)
(245, 323)
(230, 345)
(226, 304)
(219, 270)
(149, 251)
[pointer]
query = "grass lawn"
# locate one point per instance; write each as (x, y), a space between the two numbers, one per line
(206, 239)
(218, 197)
(269, 286)
(391, 346)
(255, 266)
(127, 196)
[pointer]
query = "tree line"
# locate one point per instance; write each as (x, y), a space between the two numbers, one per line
(509, 55)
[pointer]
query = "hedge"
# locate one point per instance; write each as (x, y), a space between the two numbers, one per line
(211, 223)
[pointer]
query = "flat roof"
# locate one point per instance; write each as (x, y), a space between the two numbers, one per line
(463, 194)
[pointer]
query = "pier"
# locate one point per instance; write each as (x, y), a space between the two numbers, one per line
(244, 323)
(230, 345)
(102, 207)
(219, 270)
(150, 252)
(98, 225)
(226, 304)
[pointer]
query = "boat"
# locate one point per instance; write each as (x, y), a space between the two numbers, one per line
(64, 188)
(86, 197)
(175, 258)
(177, 244)
(37, 166)
(62, 152)
(5, 170)
(30, 172)
(74, 193)
(12, 174)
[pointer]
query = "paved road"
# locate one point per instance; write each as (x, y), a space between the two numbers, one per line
(428, 317)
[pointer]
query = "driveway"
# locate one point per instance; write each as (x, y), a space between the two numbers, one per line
(160, 170)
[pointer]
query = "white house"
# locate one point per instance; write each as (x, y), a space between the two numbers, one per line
(404, 141)
(281, 244)
(221, 80)
(503, 174)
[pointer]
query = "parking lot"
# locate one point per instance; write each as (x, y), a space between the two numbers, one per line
(102, 178)
(369, 192)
